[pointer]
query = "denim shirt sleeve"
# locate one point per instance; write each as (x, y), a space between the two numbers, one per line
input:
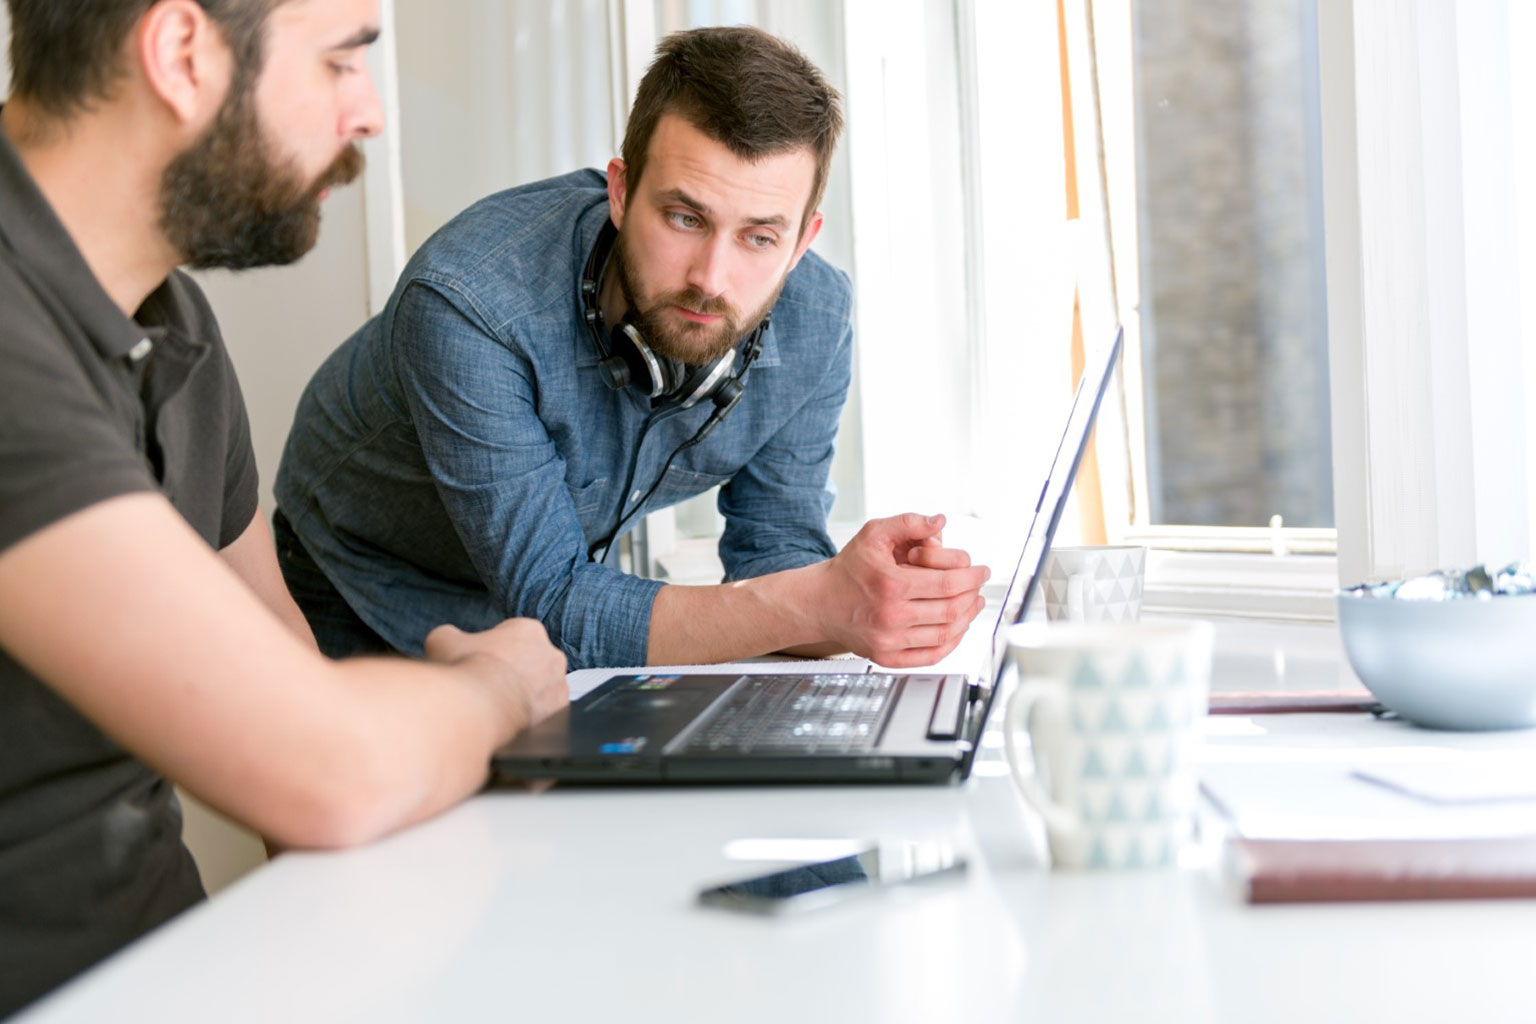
(473, 401)
(776, 506)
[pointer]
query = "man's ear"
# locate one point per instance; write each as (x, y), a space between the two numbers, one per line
(184, 59)
(617, 191)
(812, 229)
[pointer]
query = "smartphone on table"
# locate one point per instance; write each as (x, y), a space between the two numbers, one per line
(874, 868)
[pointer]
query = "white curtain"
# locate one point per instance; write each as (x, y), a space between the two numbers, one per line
(496, 93)
(5, 51)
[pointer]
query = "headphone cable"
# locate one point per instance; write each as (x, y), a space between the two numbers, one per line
(606, 541)
(722, 409)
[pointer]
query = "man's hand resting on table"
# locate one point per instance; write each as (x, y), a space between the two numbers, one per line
(515, 658)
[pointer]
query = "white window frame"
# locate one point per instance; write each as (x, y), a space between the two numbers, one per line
(383, 188)
(1427, 384)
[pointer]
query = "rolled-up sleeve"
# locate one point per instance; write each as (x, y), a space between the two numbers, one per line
(776, 506)
(473, 398)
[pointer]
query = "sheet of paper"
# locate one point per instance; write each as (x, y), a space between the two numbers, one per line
(1332, 801)
(1474, 778)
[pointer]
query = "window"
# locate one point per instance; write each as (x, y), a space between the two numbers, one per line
(1233, 323)
(1206, 121)
(1061, 151)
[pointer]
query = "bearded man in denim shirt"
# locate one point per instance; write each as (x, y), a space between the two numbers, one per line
(473, 452)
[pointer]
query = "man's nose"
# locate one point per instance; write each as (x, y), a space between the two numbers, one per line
(363, 116)
(708, 272)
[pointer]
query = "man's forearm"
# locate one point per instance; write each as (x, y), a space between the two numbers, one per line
(894, 595)
(730, 621)
(220, 698)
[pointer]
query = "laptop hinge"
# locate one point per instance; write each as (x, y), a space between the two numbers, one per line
(948, 706)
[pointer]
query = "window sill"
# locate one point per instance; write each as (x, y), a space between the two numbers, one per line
(1287, 588)
(1201, 584)
(1257, 540)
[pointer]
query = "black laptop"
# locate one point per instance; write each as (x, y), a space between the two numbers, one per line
(767, 726)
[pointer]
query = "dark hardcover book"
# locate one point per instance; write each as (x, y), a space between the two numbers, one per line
(1307, 870)
(1291, 702)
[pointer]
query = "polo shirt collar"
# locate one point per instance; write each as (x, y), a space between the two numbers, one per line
(38, 242)
(587, 229)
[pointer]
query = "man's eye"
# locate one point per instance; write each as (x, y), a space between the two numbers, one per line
(762, 241)
(684, 220)
(343, 69)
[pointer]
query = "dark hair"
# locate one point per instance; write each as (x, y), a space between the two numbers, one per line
(750, 91)
(65, 54)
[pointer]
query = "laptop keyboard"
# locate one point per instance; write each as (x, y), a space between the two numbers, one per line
(828, 714)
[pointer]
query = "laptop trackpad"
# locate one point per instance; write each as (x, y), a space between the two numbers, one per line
(651, 702)
(642, 712)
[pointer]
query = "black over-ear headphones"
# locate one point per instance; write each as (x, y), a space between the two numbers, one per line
(626, 360)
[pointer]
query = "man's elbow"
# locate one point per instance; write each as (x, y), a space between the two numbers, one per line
(323, 821)
(349, 807)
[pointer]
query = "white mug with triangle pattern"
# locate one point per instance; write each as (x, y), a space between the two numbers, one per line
(1112, 713)
(1100, 583)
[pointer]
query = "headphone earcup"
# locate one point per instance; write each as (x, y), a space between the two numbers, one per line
(651, 372)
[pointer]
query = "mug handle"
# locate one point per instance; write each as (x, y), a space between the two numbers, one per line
(1058, 819)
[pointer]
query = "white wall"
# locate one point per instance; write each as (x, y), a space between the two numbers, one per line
(281, 323)
(496, 93)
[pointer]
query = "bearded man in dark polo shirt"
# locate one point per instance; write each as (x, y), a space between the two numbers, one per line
(145, 633)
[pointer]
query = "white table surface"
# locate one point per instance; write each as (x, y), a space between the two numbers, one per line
(578, 905)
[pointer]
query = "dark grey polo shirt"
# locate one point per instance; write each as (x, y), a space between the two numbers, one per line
(94, 405)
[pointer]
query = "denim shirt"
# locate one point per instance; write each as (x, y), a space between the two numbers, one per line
(453, 460)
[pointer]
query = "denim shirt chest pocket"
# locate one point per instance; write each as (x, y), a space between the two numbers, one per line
(681, 484)
(597, 503)
(590, 499)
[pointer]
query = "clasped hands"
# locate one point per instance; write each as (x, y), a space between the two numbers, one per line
(896, 595)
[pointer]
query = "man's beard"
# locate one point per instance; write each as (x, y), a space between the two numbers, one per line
(229, 202)
(691, 343)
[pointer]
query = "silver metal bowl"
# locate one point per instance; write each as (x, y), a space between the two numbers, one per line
(1459, 664)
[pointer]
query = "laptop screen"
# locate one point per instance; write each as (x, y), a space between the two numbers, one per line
(1037, 541)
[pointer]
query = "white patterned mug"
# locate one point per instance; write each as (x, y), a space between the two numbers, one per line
(1102, 583)
(1112, 713)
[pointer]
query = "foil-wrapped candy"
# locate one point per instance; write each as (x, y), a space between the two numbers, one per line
(1448, 585)
(1515, 579)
